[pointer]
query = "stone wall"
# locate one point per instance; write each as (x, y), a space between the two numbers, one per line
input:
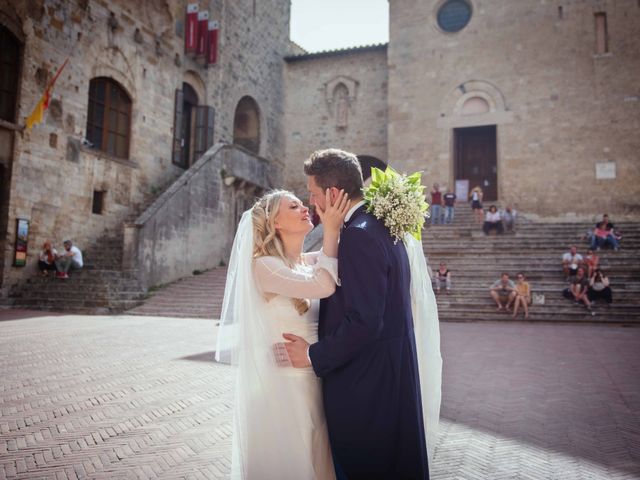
(140, 45)
(188, 227)
(559, 108)
(314, 85)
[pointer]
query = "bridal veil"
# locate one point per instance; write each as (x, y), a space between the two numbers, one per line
(266, 437)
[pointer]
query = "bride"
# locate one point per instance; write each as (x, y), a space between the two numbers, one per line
(279, 426)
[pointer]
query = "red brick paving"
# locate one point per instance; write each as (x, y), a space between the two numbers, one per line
(138, 397)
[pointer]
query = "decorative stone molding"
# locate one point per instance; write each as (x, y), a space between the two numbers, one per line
(340, 96)
(451, 109)
(120, 71)
(196, 82)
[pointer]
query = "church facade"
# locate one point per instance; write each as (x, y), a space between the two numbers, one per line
(536, 102)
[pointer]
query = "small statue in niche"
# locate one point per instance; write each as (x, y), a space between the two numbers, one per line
(341, 102)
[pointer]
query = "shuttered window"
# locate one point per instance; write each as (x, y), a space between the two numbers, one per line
(109, 117)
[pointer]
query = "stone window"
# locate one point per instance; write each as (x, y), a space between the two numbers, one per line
(9, 68)
(602, 40)
(109, 117)
(454, 15)
(98, 202)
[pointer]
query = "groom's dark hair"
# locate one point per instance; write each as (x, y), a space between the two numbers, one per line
(335, 168)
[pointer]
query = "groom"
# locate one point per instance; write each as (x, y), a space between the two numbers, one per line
(366, 353)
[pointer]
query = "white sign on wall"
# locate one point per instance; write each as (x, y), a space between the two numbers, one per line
(462, 190)
(605, 170)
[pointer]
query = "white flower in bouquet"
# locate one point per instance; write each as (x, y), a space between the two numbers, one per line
(398, 200)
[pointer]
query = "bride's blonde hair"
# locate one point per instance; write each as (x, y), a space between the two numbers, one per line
(266, 240)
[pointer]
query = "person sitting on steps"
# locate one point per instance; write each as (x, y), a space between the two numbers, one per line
(503, 292)
(591, 261)
(571, 261)
(523, 295)
(443, 278)
(578, 290)
(71, 259)
(47, 259)
(599, 287)
(493, 221)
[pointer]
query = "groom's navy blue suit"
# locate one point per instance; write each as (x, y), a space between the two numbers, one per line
(366, 357)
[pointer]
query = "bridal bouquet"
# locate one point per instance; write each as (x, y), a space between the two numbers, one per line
(397, 200)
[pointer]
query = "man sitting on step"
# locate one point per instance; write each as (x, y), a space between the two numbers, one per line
(71, 259)
(503, 292)
(571, 261)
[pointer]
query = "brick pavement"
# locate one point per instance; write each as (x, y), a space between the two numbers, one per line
(139, 397)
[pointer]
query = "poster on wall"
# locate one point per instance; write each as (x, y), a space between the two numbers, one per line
(462, 190)
(22, 235)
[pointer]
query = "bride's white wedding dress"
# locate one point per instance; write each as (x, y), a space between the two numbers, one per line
(279, 426)
(280, 431)
(312, 280)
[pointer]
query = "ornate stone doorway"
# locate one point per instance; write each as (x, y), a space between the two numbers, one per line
(476, 159)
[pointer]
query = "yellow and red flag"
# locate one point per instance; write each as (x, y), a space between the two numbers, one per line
(38, 113)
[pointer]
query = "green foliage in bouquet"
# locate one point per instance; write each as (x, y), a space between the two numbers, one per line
(398, 200)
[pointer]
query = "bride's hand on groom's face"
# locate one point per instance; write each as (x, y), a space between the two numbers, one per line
(332, 216)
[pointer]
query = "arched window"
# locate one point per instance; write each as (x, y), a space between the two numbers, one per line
(9, 70)
(109, 117)
(246, 125)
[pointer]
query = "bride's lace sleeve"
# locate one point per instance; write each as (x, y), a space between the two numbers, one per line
(274, 276)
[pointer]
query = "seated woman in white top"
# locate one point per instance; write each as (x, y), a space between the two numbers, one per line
(272, 287)
(492, 221)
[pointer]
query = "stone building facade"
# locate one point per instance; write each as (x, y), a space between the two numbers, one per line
(537, 102)
(58, 178)
(335, 99)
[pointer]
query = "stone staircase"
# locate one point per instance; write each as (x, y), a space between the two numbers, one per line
(476, 261)
(100, 287)
(198, 296)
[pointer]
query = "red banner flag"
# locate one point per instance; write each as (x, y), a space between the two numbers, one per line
(203, 20)
(212, 48)
(191, 29)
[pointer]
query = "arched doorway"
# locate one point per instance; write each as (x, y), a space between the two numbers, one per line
(10, 77)
(246, 125)
(189, 104)
(367, 162)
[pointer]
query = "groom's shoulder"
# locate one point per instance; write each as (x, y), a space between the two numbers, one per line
(366, 224)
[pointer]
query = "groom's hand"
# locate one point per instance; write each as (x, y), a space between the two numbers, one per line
(297, 348)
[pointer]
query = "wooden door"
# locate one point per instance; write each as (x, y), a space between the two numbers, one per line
(476, 159)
